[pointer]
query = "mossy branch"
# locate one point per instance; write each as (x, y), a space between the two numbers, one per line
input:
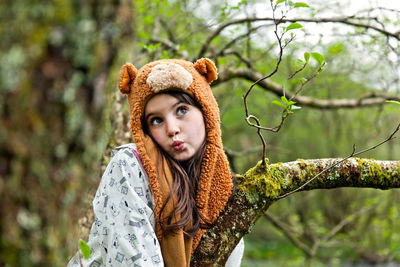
(262, 185)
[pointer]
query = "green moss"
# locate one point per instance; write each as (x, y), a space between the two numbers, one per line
(308, 170)
(262, 181)
(372, 171)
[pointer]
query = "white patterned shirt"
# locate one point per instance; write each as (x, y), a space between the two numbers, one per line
(123, 231)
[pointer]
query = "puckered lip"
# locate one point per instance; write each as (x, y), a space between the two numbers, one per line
(177, 145)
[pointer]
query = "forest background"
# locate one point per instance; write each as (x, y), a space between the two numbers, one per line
(61, 115)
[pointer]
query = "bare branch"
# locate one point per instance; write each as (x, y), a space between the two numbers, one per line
(376, 8)
(245, 35)
(171, 46)
(288, 233)
(350, 20)
(311, 252)
(250, 75)
(238, 55)
(347, 21)
(166, 26)
(345, 221)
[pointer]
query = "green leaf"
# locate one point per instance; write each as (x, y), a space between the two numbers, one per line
(279, 1)
(306, 56)
(294, 107)
(148, 19)
(393, 101)
(276, 102)
(284, 100)
(300, 4)
(300, 80)
(144, 35)
(299, 64)
(293, 26)
(85, 249)
(165, 55)
(318, 57)
(336, 48)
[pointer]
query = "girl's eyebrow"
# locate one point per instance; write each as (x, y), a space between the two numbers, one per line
(177, 103)
(173, 106)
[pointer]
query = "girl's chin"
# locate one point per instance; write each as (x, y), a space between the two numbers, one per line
(180, 159)
(181, 156)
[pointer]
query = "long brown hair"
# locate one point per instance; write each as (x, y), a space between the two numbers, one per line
(186, 176)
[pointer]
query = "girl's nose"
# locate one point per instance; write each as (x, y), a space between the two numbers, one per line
(172, 127)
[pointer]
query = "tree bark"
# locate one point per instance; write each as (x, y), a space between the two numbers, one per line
(263, 185)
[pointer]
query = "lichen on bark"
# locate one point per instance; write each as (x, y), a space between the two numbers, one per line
(260, 186)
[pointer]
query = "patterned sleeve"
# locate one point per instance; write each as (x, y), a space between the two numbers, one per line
(123, 232)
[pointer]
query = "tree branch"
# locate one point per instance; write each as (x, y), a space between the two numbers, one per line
(252, 76)
(235, 40)
(350, 20)
(312, 251)
(288, 233)
(353, 154)
(238, 55)
(262, 185)
(171, 46)
(347, 21)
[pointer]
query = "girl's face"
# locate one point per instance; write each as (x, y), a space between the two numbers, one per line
(176, 126)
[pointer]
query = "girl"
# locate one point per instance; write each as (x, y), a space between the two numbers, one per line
(159, 195)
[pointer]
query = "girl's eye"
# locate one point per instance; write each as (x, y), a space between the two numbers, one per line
(155, 121)
(181, 110)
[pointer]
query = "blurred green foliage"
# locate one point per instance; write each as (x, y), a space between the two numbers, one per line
(60, 61)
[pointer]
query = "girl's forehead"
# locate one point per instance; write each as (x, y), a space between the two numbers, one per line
(160, 102)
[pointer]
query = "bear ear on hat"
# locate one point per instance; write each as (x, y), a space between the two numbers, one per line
(127, 75)
(206, 68)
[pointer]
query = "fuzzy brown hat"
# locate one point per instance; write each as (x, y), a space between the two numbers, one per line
(215, 182)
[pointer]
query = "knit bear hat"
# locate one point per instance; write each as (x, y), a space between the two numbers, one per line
(215, 183)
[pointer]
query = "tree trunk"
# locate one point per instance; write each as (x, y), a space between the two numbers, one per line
(262, 185)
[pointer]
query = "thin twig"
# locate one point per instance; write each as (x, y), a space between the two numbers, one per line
(279, 60)
(306, 82)
(264, 145)
(233, 153)
(233, 41)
